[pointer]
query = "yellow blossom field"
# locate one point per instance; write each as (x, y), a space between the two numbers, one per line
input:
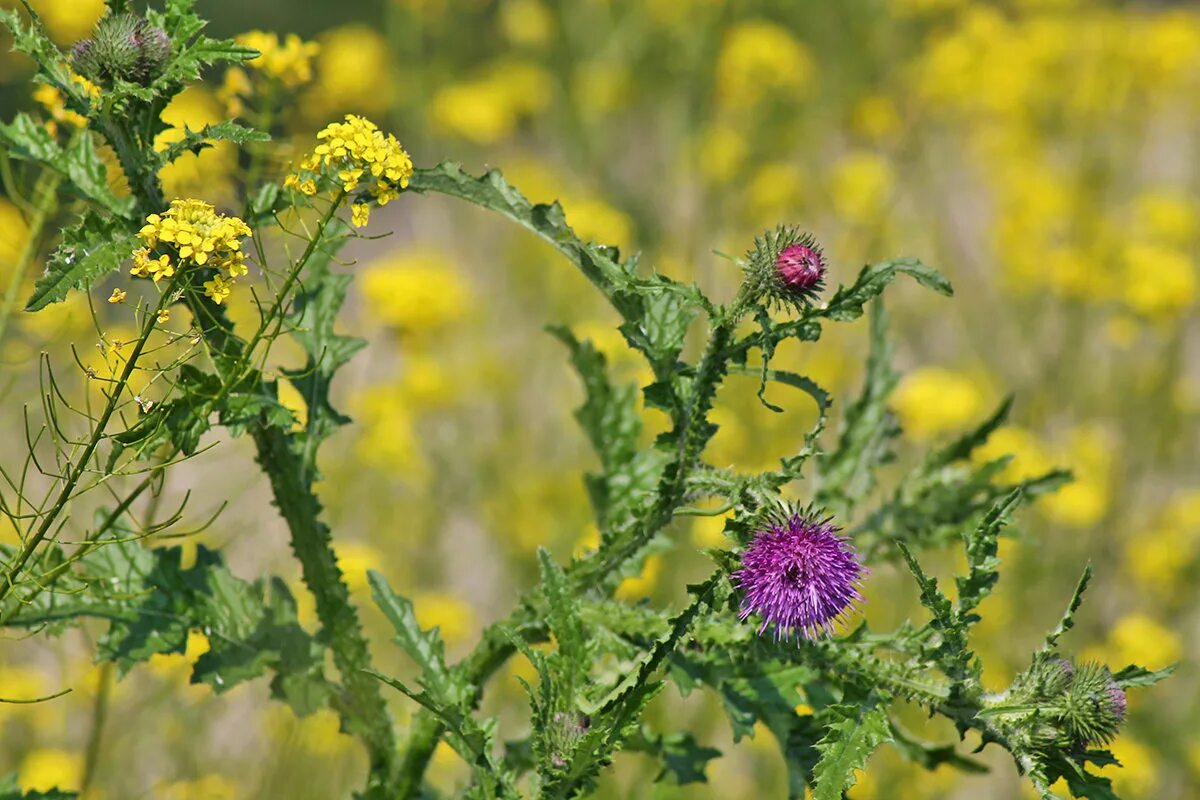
(1042, 154)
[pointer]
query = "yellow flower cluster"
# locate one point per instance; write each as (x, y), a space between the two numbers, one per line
(361, 158)
(288, 61)
(191, 233)
(51, 99)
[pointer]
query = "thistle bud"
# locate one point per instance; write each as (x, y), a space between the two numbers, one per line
(124, 47)
(1094, 705)
(786, 267)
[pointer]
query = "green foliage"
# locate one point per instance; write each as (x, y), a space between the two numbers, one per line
(852, 734)
(828, 703)
(10, 789)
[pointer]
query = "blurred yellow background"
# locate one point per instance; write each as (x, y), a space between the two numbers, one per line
(1042, 153)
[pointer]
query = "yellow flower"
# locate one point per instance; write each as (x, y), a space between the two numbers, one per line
(49, 768)
(218, 289)
(1159, 281)
(13, 233)
(354, 559)
(117, 296)
(932, 401)
(861, 185)
(594, 219)
(486, 109)
(353, 73)
(418, 292)
(1139, 639)
(1029, 457)
(360, 215)
(55, 104)
(164, 316)
(453, 616)
(288, 61)
(190, 233)
(759, 57)
(875, 118)
(526, 22)
(388, 440)
(720, 153)
(641, 585)
(68, 21)
(352, 151)
(1138, 774)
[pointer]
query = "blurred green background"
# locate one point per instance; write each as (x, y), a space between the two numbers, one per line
(1042, 153)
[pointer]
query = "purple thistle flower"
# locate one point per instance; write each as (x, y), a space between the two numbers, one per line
(801, 267)
(1117, 702)
(799, 576)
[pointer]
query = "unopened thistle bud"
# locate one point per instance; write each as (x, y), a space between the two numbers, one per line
(1094, 705)
(786, 267)
(799, 576)
(124, 47)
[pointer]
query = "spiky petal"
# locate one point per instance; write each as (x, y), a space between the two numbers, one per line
(799, 576)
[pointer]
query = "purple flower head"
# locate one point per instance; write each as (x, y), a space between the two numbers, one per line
(801, 267)
(799, 576)
(1117, 702)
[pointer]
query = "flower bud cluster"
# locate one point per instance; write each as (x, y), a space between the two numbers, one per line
(1078, 705)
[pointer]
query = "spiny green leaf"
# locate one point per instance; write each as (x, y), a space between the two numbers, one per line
(1068, 618)
(981, 548)
(313, 319)
(425, 647)
(847, 745)
(1134, 676)
(848, 301)
(90, 249)
(196, 141)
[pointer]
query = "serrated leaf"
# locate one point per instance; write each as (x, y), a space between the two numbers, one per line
(196, 141)
(85, 173)
(152, 603)
(313, 319)
(91, 249)
(846, 746)
(931, 756)
(982, 562)
(1068, 618)
(847, 302)
(1134, 676)
(657, 311)
(424, 647)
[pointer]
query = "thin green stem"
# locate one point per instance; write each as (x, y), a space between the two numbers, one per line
(78, 468)
(96, 736)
